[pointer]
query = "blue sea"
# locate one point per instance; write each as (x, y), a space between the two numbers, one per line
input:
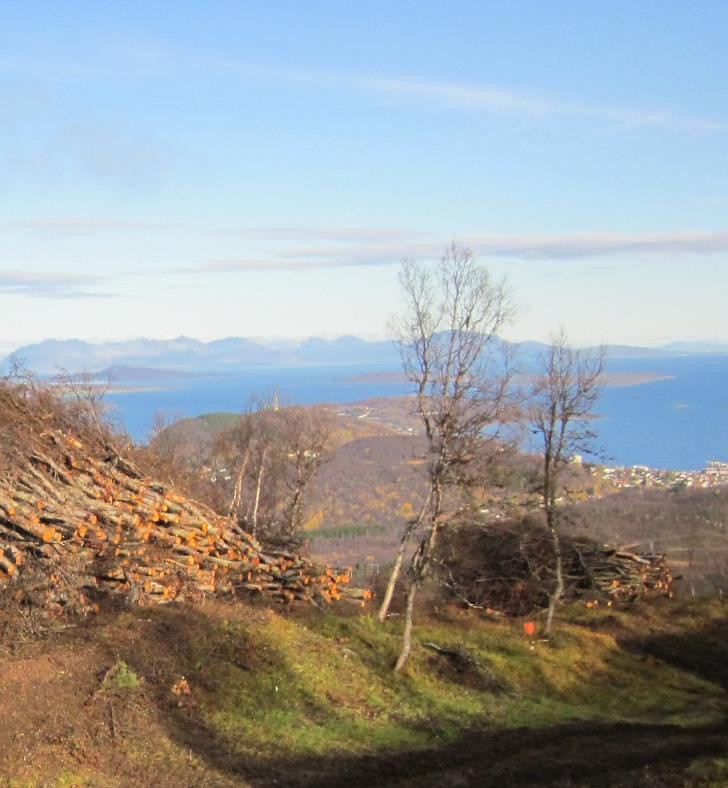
(678, 423)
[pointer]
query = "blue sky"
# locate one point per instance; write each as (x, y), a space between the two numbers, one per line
(261, 168)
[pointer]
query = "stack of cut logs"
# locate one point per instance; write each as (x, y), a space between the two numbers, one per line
(75, 527)
(623, 575)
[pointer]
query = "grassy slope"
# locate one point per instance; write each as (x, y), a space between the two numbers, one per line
(308, 698)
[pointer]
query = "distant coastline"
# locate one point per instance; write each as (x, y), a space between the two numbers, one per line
(609, 378)
(633, 378)
(384, 376)
(676, 423)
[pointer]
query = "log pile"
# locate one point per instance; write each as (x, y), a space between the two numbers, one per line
(621, 575)
(78, 524)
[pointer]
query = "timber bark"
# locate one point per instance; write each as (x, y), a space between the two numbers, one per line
(412, 526)
(79, 522)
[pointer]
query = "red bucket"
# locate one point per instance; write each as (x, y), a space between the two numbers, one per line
(529, 628)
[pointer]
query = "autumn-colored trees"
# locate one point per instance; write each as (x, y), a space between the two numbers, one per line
(266, 460)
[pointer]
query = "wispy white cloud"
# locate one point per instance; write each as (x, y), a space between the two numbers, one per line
(479, 98)
(139, 58)
(42, 284)
(555, 247)
(69, 226)
(335, 249)
(336, 234)
(298, 262)
(484, 98)
(573, 246)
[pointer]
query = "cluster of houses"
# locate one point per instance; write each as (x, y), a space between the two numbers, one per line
(715, 473)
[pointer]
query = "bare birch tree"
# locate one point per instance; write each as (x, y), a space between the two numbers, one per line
(450, 351)
(270, 456)
(305, 436)
(564, 393)
(85, 393)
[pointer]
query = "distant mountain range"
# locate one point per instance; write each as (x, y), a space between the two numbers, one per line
(149, 358)
(193, 356)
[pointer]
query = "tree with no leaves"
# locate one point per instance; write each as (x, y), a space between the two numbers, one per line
(451, 354)
(564, 393)
(270, 456)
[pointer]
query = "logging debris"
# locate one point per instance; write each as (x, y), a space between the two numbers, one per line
(508, 569)
(78, 524)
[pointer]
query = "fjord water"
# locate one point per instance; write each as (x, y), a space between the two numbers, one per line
(676, 423)
(231, 392)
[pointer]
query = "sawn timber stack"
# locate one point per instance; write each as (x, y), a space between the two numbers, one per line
(78, 524)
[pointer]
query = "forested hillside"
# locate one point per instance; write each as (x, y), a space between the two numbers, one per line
(372, 482)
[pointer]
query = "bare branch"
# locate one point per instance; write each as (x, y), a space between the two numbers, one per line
(563, 397)
(447, 336)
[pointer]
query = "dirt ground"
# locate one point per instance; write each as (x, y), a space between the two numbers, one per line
(58, 716)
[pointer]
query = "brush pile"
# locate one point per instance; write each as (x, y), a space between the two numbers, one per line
(79, 521)
(509, 568)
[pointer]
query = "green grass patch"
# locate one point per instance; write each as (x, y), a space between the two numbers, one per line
(270, 682)
(199, 690)
(273, 683)
(123, 679)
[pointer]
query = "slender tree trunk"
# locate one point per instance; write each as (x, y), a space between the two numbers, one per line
(238, 489)
(256, 500)
(552, 459)
(412, 526)
(558, 590)
(293, 509)
(407, 634)
(564, 394)
(420, 563)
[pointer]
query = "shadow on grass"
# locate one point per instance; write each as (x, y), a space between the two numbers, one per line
(704, 652)
(584, 754)
(574, 754)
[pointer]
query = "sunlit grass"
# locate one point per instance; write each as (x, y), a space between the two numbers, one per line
(265, 684)
(326, 683)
